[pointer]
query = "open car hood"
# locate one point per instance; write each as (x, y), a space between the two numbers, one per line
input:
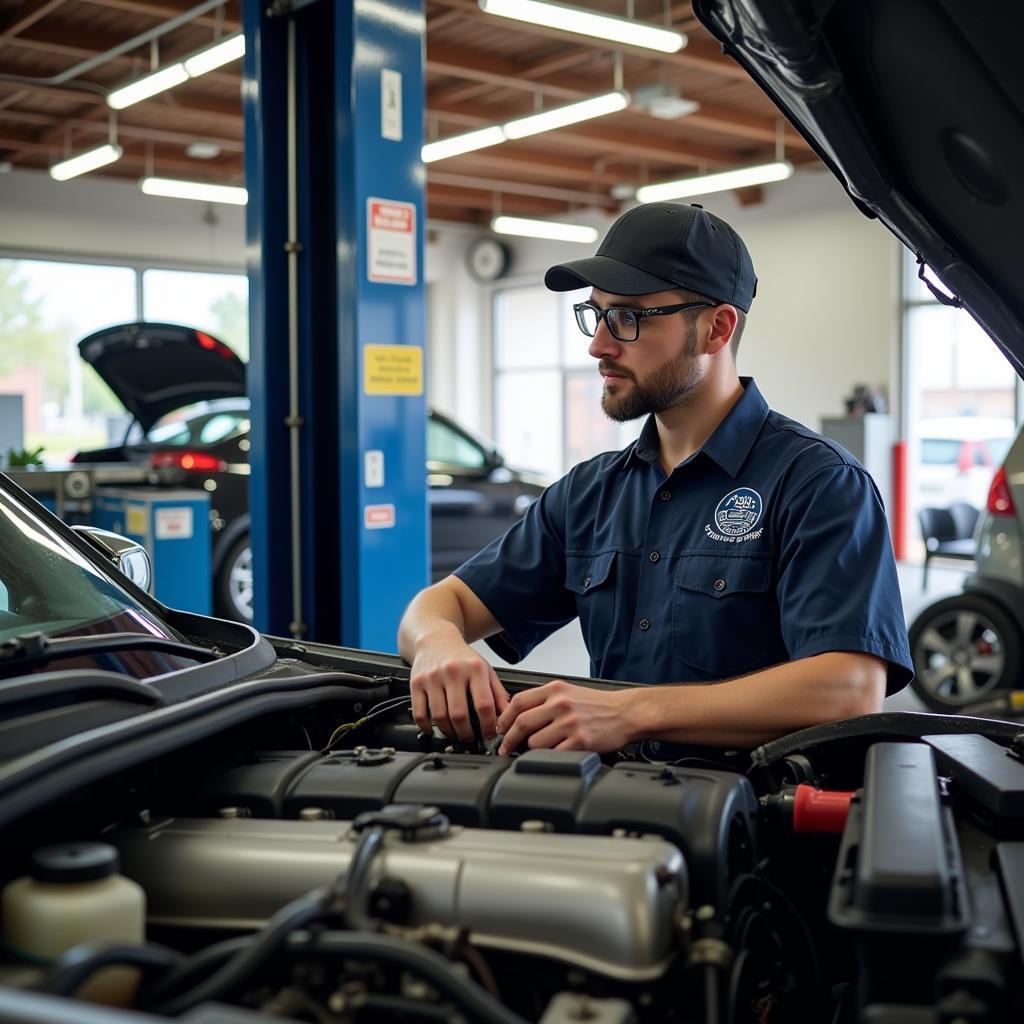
(154, 368)
(917, 107)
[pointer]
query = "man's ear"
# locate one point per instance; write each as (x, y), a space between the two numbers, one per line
(723, 323)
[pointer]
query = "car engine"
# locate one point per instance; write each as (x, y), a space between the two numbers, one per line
(336, 865)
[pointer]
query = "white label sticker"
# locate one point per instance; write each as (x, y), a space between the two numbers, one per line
(373, 468)
(173, 523)
(378, 517)
(391, 227)
(391, 104)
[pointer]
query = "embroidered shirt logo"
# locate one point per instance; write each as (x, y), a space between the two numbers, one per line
(736, 515)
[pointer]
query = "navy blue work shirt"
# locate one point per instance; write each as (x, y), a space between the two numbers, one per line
(768, 545)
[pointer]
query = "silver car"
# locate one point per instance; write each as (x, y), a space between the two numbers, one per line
(967, 648)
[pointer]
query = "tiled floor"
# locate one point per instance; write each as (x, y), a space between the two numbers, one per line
(563, 653)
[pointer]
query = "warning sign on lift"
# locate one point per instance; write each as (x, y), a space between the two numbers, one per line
(378, 517)
(392, 249)
(393, 369)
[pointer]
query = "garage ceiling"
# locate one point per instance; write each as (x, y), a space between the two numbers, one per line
(481, 70)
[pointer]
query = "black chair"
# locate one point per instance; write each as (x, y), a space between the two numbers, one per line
(948, 533)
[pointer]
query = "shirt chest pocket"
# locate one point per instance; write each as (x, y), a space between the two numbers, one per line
(592, 579)
(724, 613)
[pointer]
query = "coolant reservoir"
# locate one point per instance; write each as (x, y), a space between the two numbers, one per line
(74, 894)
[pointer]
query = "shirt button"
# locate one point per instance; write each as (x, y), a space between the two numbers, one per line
(586, 583)
(655, 556)
(645, 624)
(719, 585)
(666, 495)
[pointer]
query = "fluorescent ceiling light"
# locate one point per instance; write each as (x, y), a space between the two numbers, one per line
(459, 144)
(172, 188)
(85, 162)
(743, 177)
(559, 117)
(544, 229)
(587, 23)
(215, 56)
(143, 88)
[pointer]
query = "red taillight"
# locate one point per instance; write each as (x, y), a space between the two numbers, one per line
(1000, 499)
(213, 345)
(205, 340)
(194, 462)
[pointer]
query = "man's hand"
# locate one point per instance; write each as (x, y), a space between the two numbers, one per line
(565, 717)
(446, 674)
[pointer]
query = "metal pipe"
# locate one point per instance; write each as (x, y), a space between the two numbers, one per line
(116, 51)
(294, 421)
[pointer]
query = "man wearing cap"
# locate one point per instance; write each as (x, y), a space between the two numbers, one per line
(727, 545)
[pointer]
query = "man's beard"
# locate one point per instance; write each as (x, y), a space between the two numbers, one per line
(672, 384)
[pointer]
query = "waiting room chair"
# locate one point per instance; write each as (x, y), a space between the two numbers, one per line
(948, 533)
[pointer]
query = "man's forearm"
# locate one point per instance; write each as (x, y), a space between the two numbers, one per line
(433, 612)
(754, 709)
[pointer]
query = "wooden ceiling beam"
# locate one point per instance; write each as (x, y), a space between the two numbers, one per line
(482, 199)
(629, 146)
(26, 15)
(164, 10)
(527, 78)
(697, 54)
(80, 45)
(533, 164)
(577, 197)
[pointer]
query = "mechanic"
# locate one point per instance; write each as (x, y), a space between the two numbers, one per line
(728, 544)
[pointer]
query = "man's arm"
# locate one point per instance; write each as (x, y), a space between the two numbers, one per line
(743, 712)
(434, 637)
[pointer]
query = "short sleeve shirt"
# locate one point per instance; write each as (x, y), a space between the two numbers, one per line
(768, 545)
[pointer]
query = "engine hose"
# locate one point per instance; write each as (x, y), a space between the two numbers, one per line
(352, 886)
(191, 970)
(233, 975)
(472, 999)
(75, 966)
(389, 1007)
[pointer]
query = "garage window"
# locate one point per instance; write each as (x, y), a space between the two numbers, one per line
(547, 392)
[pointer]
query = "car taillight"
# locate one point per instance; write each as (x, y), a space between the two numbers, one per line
(194, 462)
(1000, 499)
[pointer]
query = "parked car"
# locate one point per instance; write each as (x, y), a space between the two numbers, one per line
(967, 648)
(203, 823)
(186, 392)
(958, 456)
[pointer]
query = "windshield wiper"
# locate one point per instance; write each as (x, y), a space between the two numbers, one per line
(38, 648)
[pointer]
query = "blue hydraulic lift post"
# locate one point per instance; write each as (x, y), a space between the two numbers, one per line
(333, 102)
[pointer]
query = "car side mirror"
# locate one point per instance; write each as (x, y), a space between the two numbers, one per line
(129, 557)
(495, 460)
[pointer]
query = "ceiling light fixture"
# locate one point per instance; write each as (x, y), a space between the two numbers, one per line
(85, 162)
(215, 56)
(587, 23)
(572, 113)
(550, 229)
(173, 188)
(459, 144)
(743, 177)
(142, 88)
(199, 63)
(521, 127)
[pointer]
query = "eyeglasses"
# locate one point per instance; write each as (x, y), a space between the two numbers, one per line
(624, 322)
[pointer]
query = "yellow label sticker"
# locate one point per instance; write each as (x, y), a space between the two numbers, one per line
(393, 369)
(135, 519)
(1017, 699)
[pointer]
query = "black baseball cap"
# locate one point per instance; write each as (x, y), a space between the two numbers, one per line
(659, 246)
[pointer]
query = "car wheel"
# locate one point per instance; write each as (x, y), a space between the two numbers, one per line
(233, 590)
(964, 648)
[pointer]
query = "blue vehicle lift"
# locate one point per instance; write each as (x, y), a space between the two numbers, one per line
(333, 101)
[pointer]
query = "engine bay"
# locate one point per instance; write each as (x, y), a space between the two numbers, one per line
(333, 864)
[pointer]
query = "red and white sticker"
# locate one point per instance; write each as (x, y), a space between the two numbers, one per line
(173, 523)
(391, 227)
(378, 517)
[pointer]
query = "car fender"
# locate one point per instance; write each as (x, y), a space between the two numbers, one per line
(223, 540)
(1007, 595)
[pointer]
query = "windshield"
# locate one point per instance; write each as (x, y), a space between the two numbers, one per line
(47, 586)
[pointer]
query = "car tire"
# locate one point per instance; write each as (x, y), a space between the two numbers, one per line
(232, 592)
(965, 649)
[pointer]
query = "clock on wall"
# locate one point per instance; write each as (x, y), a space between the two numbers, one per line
(488, 259)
